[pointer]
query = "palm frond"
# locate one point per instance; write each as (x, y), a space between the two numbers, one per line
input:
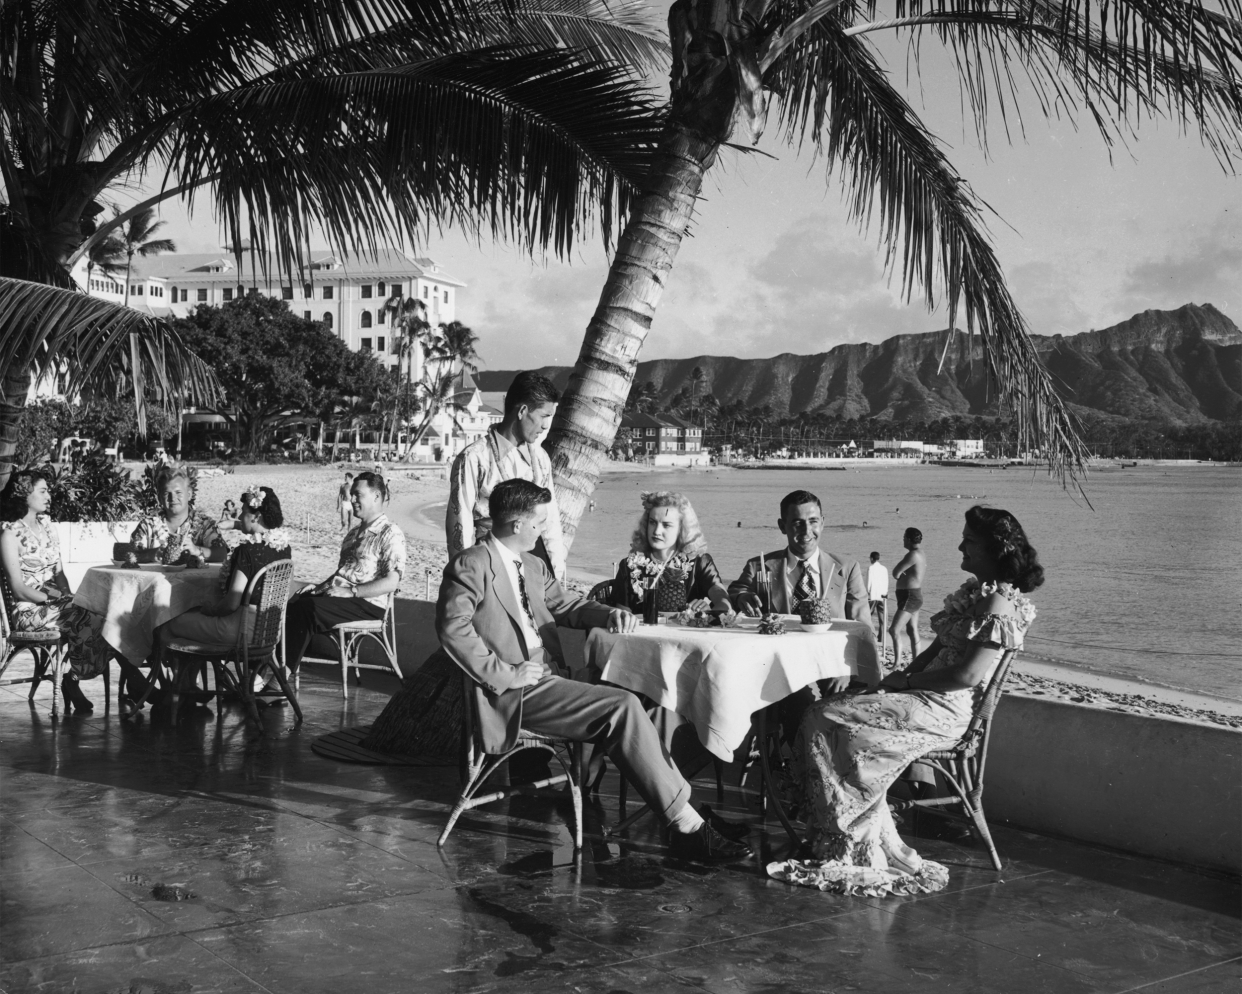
(97, 347)
(930, 222)
(530, 146)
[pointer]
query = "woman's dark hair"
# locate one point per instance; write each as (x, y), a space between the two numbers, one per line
(270, 514)
(375, 481)
(13, 498)
(1017, 562)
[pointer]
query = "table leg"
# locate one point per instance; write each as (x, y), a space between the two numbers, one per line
(768, 787)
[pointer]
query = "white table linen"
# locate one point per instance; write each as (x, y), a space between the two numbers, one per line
(717, 678)
(134, 602)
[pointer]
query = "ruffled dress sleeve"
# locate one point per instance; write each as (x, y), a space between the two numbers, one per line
(1007, 631)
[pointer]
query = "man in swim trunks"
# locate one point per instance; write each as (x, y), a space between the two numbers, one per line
(909, 575)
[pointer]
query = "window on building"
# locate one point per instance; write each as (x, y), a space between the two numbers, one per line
(201, 295)
(228, 293)
(308, 291)
(138, 289)
(327, 319)
(424, 293)
(366, 291)
(366, 345)
(327, 292)
(365, 320)
(175, 298)
(395, 291)
(286, 293)
(241, 291)
(446, 296)
(306, 315)
(379, 344)
(381, 316)
(379, 289)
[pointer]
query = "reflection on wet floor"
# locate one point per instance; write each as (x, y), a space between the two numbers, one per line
(210, 856)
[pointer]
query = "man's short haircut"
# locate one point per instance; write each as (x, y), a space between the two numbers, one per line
(532, 389)
(875, 557)
(511, 499)
(914, 536)
(797, 499)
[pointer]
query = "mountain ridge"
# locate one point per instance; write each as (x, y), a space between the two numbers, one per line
(1180, 366)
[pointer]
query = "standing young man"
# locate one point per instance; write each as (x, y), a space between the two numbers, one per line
(496, 618)
(909, 575)
(509, 451)
(877, 595)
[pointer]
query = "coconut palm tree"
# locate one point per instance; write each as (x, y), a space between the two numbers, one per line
(1122, 60)
(138, 237)
(370, 121)
(448, 351)
(105, 256)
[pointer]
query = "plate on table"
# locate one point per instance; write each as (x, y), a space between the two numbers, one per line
(745, 621)
(815, 629)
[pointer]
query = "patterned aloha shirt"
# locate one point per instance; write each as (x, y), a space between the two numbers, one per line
(154, 533)
(371, 551)
(40, 554)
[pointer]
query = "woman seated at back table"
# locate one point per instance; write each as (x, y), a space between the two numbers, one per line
(263, 542)
(370, 568)
(180, 527)
(852, 747)
(38, 597)
(669, 550)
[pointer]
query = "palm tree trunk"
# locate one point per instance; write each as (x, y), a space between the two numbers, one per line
(13, 389)
(590, 411)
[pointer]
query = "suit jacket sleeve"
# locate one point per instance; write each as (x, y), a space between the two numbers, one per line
(461, 592)
(744, 584)
(570, 610)
(857, 606)
(459, 516)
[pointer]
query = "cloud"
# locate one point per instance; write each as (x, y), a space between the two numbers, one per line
(1048, 295)
(1204, 269)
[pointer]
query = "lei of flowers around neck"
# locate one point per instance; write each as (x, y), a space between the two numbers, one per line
(644, 569)
(970, 593)
(276, 538)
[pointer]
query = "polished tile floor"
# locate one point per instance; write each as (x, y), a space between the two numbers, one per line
(164, 858)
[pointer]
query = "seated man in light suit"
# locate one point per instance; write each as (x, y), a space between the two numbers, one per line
(803, 571)
(496, 618)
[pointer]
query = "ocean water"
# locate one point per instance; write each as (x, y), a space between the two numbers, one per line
(1146, 583)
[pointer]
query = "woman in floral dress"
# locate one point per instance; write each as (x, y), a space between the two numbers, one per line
(37, 594)
(180, 528)
(852, 747)
(668, 552)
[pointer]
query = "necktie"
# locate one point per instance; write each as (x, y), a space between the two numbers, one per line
(805, 589)
(525, 599)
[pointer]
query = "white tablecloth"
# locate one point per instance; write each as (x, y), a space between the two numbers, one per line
(135, 601)
(717, 678)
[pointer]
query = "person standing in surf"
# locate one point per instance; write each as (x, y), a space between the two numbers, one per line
(909, 575)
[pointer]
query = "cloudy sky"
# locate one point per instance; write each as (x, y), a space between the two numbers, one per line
(1086, 238)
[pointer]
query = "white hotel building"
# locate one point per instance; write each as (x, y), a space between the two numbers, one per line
(348, 294)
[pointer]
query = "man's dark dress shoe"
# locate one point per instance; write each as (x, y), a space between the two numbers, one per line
(729, 829)
(706, 846)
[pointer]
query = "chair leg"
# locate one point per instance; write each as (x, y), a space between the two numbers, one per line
(718, 765)
(41, 659)
(343, 652)
(284, 687)
(981, 828)
(575, 790)
(107, 682)
(54, 660)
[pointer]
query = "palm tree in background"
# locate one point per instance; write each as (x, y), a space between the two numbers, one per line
(813, 60)
(369, 121)
(105, 256)
(449, 351)
(138, 237)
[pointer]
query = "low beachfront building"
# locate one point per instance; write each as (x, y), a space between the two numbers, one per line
(665, 440)
(966, 448)
(351, 295)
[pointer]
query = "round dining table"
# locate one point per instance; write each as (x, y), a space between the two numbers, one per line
(717, 678)
(134, 602)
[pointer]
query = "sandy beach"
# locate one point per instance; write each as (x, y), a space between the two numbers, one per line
(308, 498)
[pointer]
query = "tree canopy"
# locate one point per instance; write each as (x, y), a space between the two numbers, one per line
(276, 368)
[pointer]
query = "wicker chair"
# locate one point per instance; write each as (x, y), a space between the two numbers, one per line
(349, 637)
(47, 647)
(249, 658)
(478, 766)
(601, 592)
(962, 766)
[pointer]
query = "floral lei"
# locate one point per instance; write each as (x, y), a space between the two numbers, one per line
(276, 538)
(643, 569)
(970, 593)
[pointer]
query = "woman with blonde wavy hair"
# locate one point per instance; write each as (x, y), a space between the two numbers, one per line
(668, 554)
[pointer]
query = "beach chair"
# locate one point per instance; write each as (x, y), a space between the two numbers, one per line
(477, 767)
(349, 637)
(47, 648)
(962, 766)
(601, 592)
(249, 658)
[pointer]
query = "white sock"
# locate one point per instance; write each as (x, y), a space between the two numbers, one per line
(686, 819)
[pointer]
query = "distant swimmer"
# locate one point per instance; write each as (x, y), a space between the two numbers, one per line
(909, 575)
(591, 506)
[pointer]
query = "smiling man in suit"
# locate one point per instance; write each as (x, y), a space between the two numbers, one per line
(497, 616)
(803, 571)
